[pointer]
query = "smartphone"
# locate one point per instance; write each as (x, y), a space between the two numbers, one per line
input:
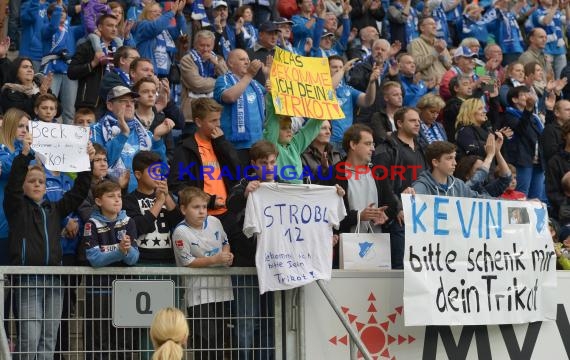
(489, 87)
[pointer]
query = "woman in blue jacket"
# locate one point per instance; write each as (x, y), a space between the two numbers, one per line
(12, 132)
(155, 36)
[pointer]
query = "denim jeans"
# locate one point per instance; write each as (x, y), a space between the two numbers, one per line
(254, 324)
(66, 90)
(530, 180)
(558, 64)
(38, 304)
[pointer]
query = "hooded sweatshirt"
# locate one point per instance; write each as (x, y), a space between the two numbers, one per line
(427, 185)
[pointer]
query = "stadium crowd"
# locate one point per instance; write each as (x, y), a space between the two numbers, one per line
(473, 93)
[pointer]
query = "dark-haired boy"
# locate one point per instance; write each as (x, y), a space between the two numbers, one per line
(45, 107)
(249, 305)
(108, 241)
(153, 210)
(522, 149)
(440, 155)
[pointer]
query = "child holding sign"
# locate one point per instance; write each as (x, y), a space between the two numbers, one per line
(39, 297)
(200, 241)
(290, 147)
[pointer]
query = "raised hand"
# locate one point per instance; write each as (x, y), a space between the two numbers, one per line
(375, 74)
(4, 46)
(254, 67)
(395, 48)
(164, 128)
(90, 151)
(27, 144)
(46, 83)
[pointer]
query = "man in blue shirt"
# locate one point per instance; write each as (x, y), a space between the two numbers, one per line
(553, 21)
(243, 100)
(348, 97)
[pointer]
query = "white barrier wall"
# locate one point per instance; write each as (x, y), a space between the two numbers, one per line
(373, 304)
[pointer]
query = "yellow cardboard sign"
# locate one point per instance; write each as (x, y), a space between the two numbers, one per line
(302, 86)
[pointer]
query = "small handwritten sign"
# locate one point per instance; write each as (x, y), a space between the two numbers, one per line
(302, 86)
(61, 147)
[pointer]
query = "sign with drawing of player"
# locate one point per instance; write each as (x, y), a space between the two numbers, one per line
(302, 86)
(293, 225)
(477, 261)
(61, 147)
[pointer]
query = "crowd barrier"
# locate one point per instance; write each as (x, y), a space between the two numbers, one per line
(105, 313)
(295, 325)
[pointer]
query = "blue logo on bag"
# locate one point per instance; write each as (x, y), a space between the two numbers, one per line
(364, 248)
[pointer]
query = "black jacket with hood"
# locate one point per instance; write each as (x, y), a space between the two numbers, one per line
(35, 228)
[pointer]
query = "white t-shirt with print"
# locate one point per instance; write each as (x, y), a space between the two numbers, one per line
(294, 226)
(191, 243)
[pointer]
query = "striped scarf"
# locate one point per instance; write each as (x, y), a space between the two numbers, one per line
(206, 69)
(432, 133)
(240, 110)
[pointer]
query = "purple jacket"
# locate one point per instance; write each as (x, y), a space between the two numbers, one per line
(92, 9)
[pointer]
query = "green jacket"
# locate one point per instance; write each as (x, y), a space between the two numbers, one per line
(289, 155)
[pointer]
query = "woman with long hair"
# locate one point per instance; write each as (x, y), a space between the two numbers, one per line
(515, 77)
(22, 88)
(124, 26)
(320, 156)
(169, 334)
(13, 131)
(473, 126)
(471, 133)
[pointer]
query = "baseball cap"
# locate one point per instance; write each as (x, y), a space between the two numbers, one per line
(464, 51)
(219, 3)
(327, 33)
(119, 91)
(268, 26)
(282, 20)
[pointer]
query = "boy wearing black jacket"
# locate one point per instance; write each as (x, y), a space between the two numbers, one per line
(35, 230)
(153, 210)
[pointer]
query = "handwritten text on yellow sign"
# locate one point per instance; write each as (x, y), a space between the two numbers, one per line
(302, 86)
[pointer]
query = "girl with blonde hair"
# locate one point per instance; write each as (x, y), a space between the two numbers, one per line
(472, 130)
(169, 333)
(12, 133)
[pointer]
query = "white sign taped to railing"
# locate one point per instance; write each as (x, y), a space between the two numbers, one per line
(61, 147)
(372, 303)
(477, 261)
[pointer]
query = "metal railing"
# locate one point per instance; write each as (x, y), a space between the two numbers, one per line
(70, 313)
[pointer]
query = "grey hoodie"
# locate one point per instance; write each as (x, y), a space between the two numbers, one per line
(426, 185)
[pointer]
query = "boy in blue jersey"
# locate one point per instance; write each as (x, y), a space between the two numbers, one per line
(108, 239)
